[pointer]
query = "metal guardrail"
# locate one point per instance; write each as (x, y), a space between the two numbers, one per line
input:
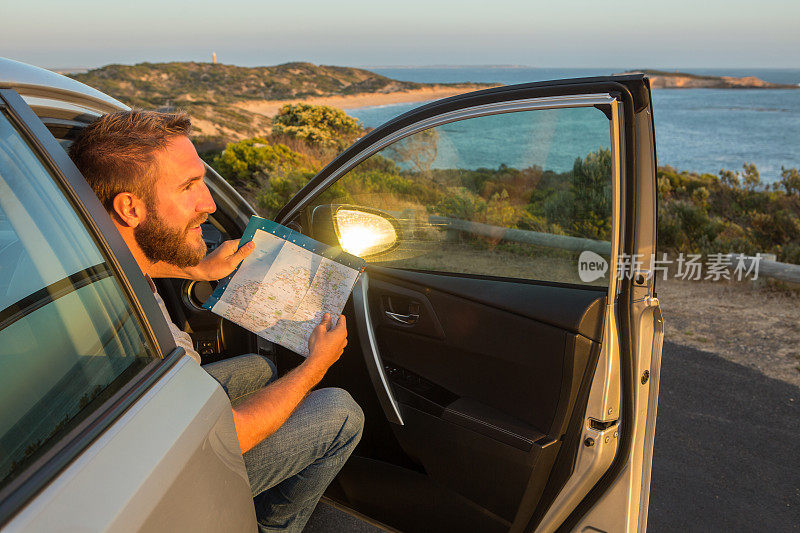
(767, 266)
(564, 242)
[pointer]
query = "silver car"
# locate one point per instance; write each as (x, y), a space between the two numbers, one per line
(508, 374)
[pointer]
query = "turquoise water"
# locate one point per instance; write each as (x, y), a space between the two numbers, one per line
(551, 139)
(703, 130)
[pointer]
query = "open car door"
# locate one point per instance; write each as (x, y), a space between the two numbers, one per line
(505, 338)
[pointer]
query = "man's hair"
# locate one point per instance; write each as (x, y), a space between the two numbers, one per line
(116, 153)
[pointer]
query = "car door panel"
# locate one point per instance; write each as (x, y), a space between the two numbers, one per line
(160, 467)
(578, 309)
(410, 501)
(489, 355)
(491, 386)
(477, 330)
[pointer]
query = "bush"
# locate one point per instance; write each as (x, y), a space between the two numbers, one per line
(461, 204)
(591, 192)
(279, 189)
(790, 181)
(734, 212)
(578, 202)
(316, 124)
(247, 162)
(264, 173)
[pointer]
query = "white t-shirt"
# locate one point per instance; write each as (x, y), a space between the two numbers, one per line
(182, 338)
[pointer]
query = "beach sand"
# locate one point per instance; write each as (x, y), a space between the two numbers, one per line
(352, 101)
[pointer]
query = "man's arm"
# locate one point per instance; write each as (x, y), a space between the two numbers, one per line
(263, 412)
(214, 266)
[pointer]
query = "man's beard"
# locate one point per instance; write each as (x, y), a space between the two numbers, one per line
(160, 242)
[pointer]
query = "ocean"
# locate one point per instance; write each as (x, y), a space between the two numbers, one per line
(703, 130)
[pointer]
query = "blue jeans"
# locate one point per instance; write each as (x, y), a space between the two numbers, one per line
(290, 469)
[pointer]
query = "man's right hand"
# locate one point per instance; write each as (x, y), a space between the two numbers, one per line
(326, 343)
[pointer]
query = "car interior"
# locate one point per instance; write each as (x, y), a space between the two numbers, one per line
(490, 381)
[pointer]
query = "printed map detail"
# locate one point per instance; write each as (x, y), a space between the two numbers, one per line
(282, 289)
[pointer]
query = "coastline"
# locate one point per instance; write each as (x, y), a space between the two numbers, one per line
(683, 80)
(353, 101)
(270, 108)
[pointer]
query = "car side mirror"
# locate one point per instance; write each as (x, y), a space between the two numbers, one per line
(358, 230)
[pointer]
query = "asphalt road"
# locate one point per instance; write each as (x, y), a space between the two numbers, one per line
(727, 451)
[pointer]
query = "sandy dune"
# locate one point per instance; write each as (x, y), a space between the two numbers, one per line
(351, 101)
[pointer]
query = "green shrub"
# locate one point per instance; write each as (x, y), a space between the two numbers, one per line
(265, 173)
(246, 163)
(734, 212)
(790, 181)
(316, 124)
(279, 189)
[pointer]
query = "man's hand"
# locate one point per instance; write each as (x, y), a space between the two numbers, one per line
(221, 261)
(326, 344)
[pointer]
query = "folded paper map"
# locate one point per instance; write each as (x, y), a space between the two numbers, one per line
(282, 289)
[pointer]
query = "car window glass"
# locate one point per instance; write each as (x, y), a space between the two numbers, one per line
(519, 195)
(68, 336)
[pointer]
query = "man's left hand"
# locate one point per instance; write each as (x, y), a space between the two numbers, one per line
(221, 261)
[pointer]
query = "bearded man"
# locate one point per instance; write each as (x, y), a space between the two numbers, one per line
(148, 176)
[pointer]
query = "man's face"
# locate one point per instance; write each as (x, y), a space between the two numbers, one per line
(179, 204)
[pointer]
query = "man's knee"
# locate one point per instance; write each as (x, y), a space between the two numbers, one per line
(268, 368)
(257, 365)
(242, 375)
(259, 370)
(343, 409)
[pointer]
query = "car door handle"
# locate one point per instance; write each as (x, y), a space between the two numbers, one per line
(409, 319)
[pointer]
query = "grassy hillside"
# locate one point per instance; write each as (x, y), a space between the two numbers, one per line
(214, 93)
(160, 84)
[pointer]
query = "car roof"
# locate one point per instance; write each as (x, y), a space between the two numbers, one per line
(63, 104)
(34, 82)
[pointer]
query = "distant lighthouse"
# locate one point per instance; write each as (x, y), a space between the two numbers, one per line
(214, 57)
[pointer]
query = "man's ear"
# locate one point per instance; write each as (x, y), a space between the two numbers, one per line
(129, 208)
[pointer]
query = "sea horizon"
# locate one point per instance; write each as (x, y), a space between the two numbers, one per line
(716, 70)
(697, 130)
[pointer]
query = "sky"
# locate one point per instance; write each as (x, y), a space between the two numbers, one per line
(582, 33)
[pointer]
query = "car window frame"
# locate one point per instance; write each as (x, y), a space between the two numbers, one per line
(603, 101)
(36, 476)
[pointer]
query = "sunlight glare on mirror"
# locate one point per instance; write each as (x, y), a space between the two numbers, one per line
(362, 233)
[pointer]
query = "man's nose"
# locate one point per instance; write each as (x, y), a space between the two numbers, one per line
(206, 204)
